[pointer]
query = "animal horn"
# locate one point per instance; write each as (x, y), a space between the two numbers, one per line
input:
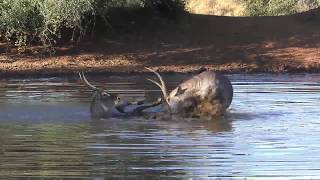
(162, 86)
(84, 79)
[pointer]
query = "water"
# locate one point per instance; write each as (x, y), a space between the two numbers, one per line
(272, 130)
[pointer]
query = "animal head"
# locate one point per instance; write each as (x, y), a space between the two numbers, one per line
(177, 101)
(102, 102)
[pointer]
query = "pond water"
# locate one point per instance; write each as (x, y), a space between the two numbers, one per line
(271, 130)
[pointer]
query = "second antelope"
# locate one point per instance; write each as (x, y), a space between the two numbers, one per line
(105, 104)
(207, 94)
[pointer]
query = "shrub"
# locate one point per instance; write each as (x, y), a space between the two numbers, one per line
(25, 21)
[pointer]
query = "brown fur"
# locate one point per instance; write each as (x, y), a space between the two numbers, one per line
(210, 109)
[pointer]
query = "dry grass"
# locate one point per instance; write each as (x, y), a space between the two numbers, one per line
(306, 5)
(238, 8)
(216, 7)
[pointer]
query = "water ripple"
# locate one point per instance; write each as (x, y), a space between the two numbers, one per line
(271, 131)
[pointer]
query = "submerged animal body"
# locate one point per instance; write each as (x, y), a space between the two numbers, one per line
(206, 94)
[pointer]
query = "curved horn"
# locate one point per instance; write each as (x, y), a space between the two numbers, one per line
(162, 86)
(84, 79)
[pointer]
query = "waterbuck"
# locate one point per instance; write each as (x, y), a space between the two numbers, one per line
(106, 105)
(103, 104)
(207, 94)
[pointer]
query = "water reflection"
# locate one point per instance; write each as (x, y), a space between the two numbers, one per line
(271, 131)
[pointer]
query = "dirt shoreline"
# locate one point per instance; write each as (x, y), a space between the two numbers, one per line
(136, 70)
(139, 70)
(286, 44)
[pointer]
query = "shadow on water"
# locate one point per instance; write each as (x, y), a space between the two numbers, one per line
(271, 130)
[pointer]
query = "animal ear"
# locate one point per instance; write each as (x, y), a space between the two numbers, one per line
(178, 91)
(181, 91)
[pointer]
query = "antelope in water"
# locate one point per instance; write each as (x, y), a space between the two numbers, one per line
(207, 94)
(106, 105)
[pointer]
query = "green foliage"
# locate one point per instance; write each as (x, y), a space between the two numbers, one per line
(26, 21)
(278, 7)
(23, 21)
(15, 24)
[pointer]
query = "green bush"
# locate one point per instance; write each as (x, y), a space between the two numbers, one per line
(25, 21)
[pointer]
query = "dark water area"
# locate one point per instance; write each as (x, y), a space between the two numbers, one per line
(271, 131)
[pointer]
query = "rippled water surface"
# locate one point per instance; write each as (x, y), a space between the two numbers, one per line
(272, 130)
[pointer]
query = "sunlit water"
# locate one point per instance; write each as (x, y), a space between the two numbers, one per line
(272, 130)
